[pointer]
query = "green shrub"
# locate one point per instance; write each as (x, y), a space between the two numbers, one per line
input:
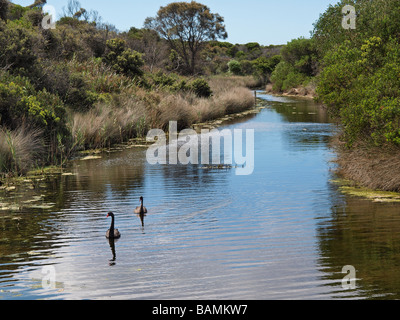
(263, 66)
(235, 67)
(79, 97)
(360, 86)
(302, 55)
(3, 9)
(19, 100)
(285, 77)
(161, 79)
(16, 48)
(201, 88)
(123, 60)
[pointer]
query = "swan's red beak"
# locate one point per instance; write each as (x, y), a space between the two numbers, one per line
(108, 215)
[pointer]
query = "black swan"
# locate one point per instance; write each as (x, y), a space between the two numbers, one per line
(141, 209)
(112, 233)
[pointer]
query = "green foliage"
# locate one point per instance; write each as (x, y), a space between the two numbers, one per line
(240, 55)
(16, 11)
(164, 80)
(235, 67)
(3, 9)
(231, 52)
(285, 77)
(78, 96)
(252, 46)
(248, 67)
(16, 47)
(201, 88)
(359, 82)
(295, 67)
(301, 54)
(263, 67)
(379, 18)
(20, 100)
(170, 82)
(361, 87)
(328, 31)
(123, 60)
(187, 27)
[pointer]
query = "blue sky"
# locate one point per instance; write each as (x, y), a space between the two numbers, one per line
(263, 21)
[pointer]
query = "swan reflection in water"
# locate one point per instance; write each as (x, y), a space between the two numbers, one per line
(141, 216)
(112, 241)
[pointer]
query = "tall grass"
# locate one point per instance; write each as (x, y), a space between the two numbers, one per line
(375, 168)
(107, 124)
(221, 82)
(136, 110)
(20, 150)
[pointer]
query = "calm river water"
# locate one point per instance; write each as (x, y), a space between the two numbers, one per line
(284, 232)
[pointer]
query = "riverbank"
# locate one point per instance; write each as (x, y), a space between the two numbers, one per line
(125, 116)
(369, 172)
(299, 92)
(244, 107)
(369, 167)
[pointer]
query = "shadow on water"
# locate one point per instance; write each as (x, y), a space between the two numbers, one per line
(366, 235)
(112, 242)
(141, 217)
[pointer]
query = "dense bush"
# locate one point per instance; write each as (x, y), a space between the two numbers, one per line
(302, 55)
(285, 77)
(201, 88)
(297, 64)
(235, 67)
(3, 9)
(17, 45)
(263, 67)
(359, 82)
(19, 100)
(361, 87)
(122, 59)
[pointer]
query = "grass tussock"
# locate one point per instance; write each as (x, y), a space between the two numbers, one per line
(20, 149)
(132, 113)
(370, 167)
(106, 124)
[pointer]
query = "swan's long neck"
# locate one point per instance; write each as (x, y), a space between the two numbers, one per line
(141, 205)
(112, 225)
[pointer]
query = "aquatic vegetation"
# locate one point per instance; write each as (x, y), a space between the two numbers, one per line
(348, 187)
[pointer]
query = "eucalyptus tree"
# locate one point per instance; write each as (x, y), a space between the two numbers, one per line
(186, 27)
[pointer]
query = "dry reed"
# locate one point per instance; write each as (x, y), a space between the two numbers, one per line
(369, 167)
(135, 111)
(20, 149)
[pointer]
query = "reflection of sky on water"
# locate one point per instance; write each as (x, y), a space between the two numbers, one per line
(209, 233)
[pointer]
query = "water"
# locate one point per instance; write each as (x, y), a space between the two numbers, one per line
(284, 232)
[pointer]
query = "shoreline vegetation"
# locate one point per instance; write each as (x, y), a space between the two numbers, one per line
(85, 85)
(354, 74)
(11, 183)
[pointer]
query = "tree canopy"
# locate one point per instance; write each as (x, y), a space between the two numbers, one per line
(186, 27)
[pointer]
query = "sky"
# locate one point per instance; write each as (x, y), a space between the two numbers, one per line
(263, 21)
